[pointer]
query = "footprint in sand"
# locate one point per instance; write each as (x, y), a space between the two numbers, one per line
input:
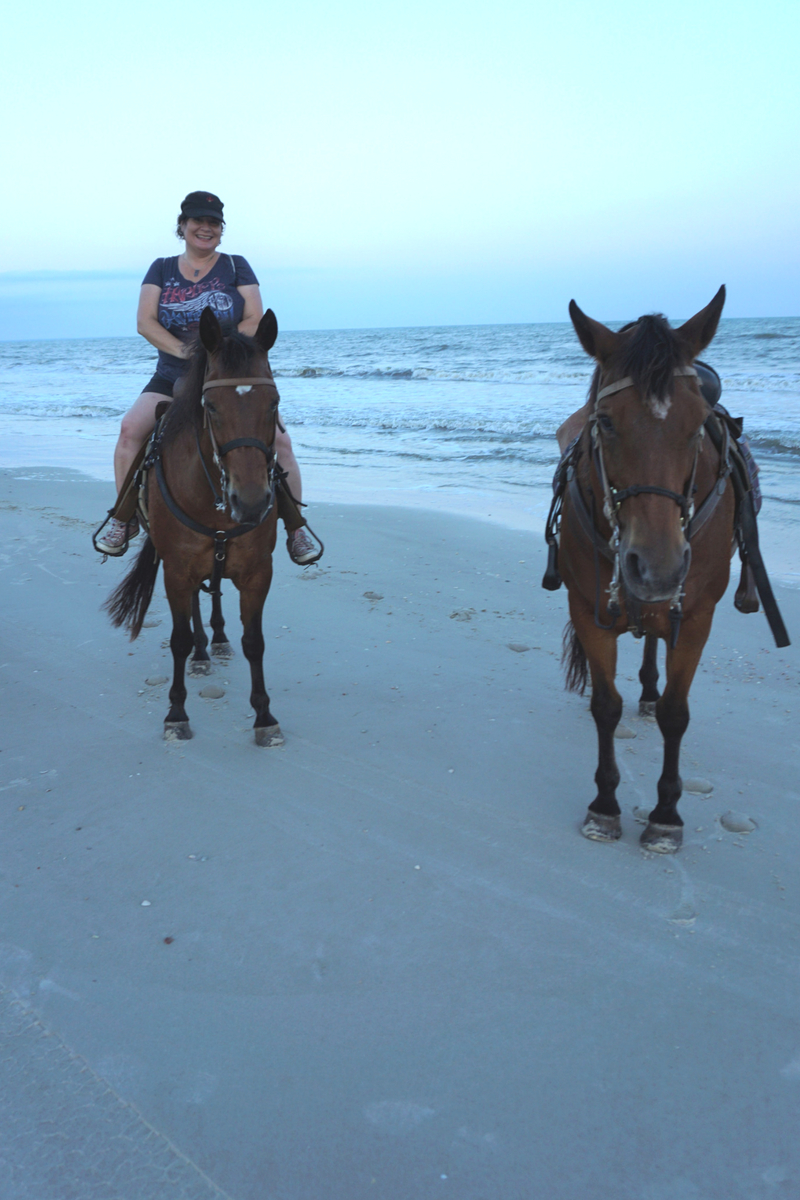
(737, 822)
(518, 647)
(156, 680)
(698, 787)
(212, 692)
(373, 596)
(623, 731)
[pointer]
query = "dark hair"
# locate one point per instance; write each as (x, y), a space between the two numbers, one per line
(182, 221)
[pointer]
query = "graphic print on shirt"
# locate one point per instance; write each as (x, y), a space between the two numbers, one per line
(182, 303)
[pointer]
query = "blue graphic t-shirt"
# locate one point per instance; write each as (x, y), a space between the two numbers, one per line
(182, 302)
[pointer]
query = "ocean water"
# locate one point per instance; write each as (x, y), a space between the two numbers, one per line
(460, 418)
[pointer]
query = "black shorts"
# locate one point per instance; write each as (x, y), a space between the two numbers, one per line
(160, 385)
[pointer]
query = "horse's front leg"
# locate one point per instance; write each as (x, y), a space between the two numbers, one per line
(648, 677)
(201, 663)
(220, 646)
(664, 832)
(176, 724)
(267, 729)
(602, 822)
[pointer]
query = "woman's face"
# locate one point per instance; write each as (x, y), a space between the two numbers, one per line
(202, 234)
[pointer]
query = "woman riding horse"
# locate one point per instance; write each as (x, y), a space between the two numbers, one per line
(174, 293)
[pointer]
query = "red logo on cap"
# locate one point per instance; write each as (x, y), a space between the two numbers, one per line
(210, 199)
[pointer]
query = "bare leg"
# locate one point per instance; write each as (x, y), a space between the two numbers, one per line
(288, 463)
(136, 426)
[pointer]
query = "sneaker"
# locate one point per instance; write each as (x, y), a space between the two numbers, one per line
(301, 548)
(117, 534)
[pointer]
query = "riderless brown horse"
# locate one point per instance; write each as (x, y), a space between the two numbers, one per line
(209, 500)
(647, 532)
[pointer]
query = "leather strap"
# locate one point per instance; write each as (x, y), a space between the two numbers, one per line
(627, 382)
(254, 381)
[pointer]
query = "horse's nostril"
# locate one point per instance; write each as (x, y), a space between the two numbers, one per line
(634, 566)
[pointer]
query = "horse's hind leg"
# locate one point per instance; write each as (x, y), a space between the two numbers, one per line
(602, 822)
(201, 663)
(267, 729)
(176, 725)
(664, 832)
(220, 646)
(648, 677)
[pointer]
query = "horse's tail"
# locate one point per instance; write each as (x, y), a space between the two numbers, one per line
(573, 660)
(128, 603)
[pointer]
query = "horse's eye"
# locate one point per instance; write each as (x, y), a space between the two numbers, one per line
(605, 423)
(211, 410)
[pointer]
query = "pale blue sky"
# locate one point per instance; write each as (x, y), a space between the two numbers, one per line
(411, 163)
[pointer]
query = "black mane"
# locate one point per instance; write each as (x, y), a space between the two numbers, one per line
(650, 356)
(234, 357)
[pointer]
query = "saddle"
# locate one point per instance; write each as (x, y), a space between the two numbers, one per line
(726, 432)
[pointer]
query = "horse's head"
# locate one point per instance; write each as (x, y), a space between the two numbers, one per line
(647, 433)
(240, 403)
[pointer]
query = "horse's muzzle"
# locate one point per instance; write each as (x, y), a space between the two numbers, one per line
(249, 512)
(654, 577)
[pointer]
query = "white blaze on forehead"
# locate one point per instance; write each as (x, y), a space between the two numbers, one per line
(659, 408)
(241, 390)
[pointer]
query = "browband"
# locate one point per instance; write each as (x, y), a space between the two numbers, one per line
(209, 383)
(627, 382)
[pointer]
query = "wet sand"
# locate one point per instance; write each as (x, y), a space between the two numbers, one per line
(381, 961)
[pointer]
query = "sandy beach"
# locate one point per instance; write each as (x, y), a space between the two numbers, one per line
(381, 962)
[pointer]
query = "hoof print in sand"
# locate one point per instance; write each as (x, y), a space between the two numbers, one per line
(212, 692)
(373, 596)
(698, 787)
(518, 647)
(156, 680)
(737, 822)
(622, 731)
(462, 614)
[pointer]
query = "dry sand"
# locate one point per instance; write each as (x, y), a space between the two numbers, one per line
(381, 962)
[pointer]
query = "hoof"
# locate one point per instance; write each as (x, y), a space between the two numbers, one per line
(598, 828)
(177, 731)
(199, 667)
(269, 735)
(222, 649)
(647, 708)
(662, 839)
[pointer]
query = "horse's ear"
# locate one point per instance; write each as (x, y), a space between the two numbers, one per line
(597, 340)
(267, 331)
(700, 329)
(210, 331)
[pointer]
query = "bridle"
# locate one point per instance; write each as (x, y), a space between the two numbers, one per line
(243, 385)
(614, 498)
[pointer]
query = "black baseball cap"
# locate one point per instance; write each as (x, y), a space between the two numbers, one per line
(202, 204)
